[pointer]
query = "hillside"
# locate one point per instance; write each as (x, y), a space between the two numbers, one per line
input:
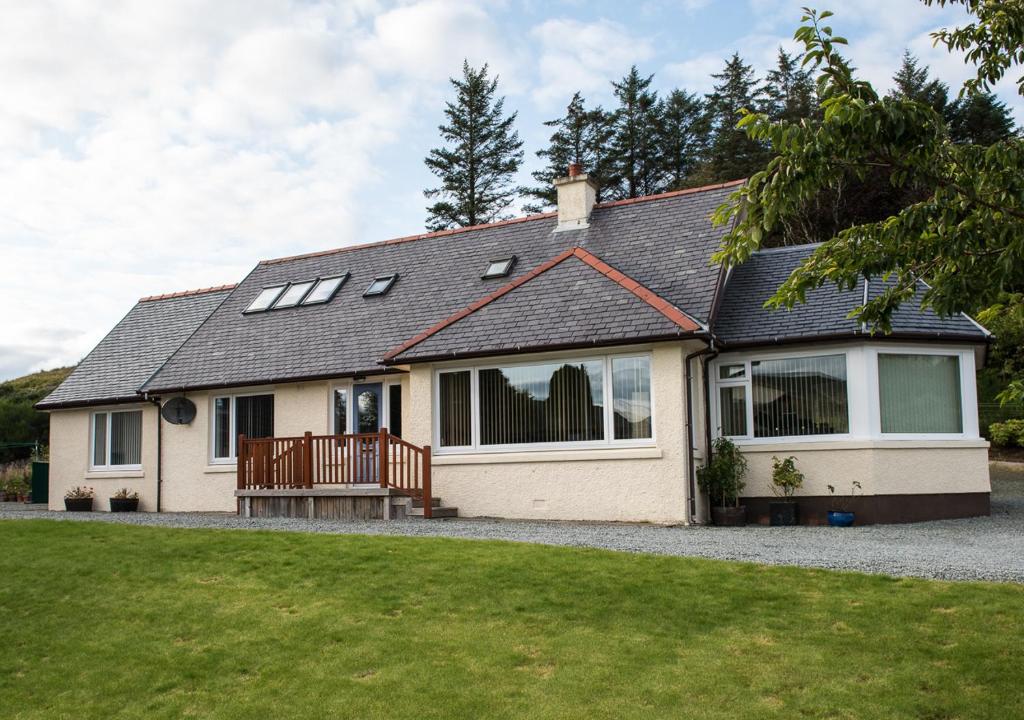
(18, 421)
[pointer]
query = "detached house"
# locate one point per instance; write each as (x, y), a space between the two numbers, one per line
(572, 365)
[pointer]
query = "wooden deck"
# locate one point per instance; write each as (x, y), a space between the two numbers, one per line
(339, 477)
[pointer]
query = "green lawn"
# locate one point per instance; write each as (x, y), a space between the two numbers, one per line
(107, 621)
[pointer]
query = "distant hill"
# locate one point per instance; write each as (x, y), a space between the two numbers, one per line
(18, 421)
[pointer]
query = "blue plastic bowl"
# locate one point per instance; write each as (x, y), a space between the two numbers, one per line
(837, 518)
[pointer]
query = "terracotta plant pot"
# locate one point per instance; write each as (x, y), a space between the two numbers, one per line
(124, 504)
(729, 516)
(78, 504)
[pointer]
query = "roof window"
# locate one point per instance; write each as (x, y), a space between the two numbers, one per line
(294, 294)
(324, 290)
(380, 285)
(499, 268)
(265, 299)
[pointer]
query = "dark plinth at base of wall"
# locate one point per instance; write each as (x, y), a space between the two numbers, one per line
(878, 509)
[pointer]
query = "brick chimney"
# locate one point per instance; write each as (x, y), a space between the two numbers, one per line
(577, 195)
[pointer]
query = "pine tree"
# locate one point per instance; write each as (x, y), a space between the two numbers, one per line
(683, 138)
(979, 119)
(635, 161)
(789, 90)
(580, 136)
(482, 154)
(913, 83)
(732, 153)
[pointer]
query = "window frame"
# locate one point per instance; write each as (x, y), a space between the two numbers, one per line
(510, 263)
(391, 280)
(968, 393)
(109, 412)
(746, 382)
(277, 301)
(270, 306)
(233, 434)
(341, 277)
(608, 442)
(862, 387)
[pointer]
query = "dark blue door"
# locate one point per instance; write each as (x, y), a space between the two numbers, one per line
(367, 420)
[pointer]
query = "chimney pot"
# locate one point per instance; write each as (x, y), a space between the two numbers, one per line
(575, 169)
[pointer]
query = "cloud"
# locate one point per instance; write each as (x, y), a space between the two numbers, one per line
(583, 56)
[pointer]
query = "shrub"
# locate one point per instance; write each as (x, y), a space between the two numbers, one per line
(79, 492)
(722, 477)
(125, 494)
(786, 479)
(16, 477)
(1007, 434)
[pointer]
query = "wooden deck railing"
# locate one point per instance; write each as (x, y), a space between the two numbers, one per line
(360, 459)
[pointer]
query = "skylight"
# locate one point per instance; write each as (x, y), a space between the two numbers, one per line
(324, 290)
(265, 299)
(380, 285)
(294, 293)
(499, 268)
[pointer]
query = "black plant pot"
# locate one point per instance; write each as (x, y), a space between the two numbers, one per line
(78, 504)
(729, 516)
(783, 513)
(124, 504)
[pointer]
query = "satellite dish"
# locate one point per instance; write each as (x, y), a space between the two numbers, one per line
(179, 411)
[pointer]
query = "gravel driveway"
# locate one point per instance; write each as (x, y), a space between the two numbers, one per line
(989, 548)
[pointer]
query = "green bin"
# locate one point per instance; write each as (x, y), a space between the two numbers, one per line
(40, 482)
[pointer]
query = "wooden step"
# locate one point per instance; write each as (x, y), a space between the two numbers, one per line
(439, 511)
(417, 502)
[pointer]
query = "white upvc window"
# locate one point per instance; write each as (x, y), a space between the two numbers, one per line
(251, 415)
(923, 393)
(882, 391)
(587, 402)
(115, 440)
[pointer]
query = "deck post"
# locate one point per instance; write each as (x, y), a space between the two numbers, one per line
(382, 457)
(240, 462)
(307, 460)
(428, 505)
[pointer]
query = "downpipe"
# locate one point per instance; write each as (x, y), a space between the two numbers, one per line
(688, 381)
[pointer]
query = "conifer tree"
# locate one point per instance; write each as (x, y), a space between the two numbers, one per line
(635, 160)
(580, 136)
(732, 153)
(481, 155)
(912, 82)
(684, 134)
(789, 89)
(979, 119)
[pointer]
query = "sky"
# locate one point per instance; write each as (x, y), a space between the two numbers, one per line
(150, 147)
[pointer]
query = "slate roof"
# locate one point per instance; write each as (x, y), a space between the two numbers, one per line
(135, 348)
(742, 319)
(574, 299)
(663, 242)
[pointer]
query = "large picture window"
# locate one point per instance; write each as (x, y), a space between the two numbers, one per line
(920, 394)
(555, 403)
(234, 415)
(117, 439)
(784, 397)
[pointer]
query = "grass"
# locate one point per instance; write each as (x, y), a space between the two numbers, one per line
(107, 621)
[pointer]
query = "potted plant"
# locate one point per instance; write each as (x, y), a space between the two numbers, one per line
(786, 480)
(842, 518)
(721, 479)
(124, 500)
(79, 499)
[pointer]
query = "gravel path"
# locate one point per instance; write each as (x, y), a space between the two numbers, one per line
(989, 548)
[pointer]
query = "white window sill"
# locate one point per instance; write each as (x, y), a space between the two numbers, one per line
(114, 474)
(221, 468)
(643, 453)
(765, 446)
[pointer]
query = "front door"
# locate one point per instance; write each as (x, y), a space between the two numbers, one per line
(367, 420)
